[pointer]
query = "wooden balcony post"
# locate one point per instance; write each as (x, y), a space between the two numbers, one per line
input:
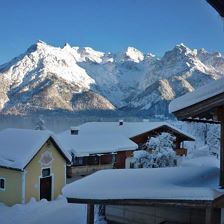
(213, 215)
(222, 156)
(90, 214)
(220, 116)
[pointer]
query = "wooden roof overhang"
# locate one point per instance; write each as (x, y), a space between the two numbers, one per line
(146, 202)
(165, 128)
(218, 5)
(206, 111)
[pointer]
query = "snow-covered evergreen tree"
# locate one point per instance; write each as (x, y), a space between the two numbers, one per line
(40, 124)
(158, 152)
(162, 141)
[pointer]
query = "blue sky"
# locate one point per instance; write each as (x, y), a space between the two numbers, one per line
(109, 25)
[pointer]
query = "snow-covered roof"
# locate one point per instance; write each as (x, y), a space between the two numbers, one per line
(85, 144)
(128, 129)
(176, 183)
(203, 93)
(19, 146)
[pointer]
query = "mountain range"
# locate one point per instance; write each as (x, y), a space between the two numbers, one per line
(75, 79)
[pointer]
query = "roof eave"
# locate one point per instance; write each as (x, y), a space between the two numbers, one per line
(201, 110)
(11, 168)
(188, 138)
(145, 202)
(218, 5)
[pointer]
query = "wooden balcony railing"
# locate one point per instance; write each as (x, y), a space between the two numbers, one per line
(181, 152)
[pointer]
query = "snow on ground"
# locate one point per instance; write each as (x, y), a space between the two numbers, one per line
(184, 183)
(56, 212)
(202, 161)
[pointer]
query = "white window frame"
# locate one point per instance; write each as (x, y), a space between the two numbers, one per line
(3, 189)
(52, 183)
(45, 168)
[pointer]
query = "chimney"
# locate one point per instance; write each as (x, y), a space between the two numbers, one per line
(121, 122)
(74, 131)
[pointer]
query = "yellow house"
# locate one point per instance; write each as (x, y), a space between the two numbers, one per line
(32, 164)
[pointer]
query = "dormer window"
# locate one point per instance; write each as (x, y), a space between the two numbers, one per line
(74, 131)
(121, 122)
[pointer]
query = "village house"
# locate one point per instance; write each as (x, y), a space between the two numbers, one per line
(105, 145)
(139, 132)
(32, 165)
(95, 151)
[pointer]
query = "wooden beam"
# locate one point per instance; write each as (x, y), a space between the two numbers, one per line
(212, 216)
(220, 116)
(196, 120)
(145, 202)
(90, 214)
(208, 216)
(218, 202)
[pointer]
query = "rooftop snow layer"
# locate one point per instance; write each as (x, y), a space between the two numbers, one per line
(18, 146)
(212, 89)
(84, 144)
(128, 129)
(184, 183)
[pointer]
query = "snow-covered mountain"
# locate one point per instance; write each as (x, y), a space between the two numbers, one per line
(67, 79)
(179, 71)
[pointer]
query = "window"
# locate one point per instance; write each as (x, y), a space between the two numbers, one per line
(2, 184)
(114, 158)
(132, 165)
(46, 172)
(79, 161)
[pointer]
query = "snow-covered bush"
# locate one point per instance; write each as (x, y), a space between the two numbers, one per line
(158, 152)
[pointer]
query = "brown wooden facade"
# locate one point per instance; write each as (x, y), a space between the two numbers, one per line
(88, 164)
(121, 158)
(180, 137)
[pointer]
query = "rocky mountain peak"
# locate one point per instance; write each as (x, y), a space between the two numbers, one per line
(133, 54)
(38, 45)
(81, 78)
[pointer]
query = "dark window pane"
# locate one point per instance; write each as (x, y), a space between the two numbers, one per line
(2, 183)
(46, 172)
